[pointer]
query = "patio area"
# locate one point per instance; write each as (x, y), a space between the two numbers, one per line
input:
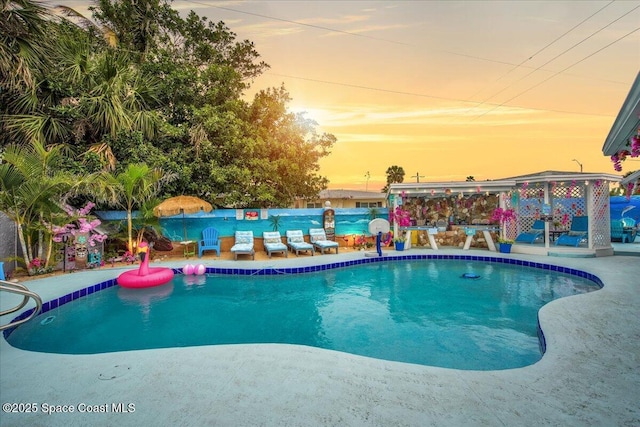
(589, 375)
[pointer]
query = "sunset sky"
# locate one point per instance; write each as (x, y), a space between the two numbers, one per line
(447, 89)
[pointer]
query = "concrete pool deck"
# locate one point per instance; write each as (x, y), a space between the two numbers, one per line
(590, 374)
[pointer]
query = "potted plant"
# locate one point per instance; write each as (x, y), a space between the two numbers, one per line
(505, 245)
(399, 242)
(504, 217)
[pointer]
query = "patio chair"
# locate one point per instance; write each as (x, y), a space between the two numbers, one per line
(243, 244)
(537, 232)
(296, 243)
(210, 241)
(630, 228)
(319, 240)
(577, 233)
(624, 230)
(273, 243)
(617, 231)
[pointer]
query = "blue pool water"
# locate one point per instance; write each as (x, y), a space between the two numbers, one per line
(420, 312)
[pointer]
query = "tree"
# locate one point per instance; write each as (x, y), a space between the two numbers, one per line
(135, 24)
(23, 60)
(395, 175)
(167, 93)
(33, 190)
(131, 188)
(22, 48)
(470, 178)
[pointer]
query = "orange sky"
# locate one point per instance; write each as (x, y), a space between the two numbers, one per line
(447, 89)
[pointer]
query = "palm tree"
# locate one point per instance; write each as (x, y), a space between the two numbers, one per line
(92, 91)
(33, 189)
(395, 174)
(22, 24)
(131, 188)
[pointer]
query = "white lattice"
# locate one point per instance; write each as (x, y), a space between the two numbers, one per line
(531, 200)
(567, 201)
(599, 216)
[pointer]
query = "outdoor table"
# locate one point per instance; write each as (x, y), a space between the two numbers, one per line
(189, 248)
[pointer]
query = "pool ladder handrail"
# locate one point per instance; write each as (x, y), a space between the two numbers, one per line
(19, 289)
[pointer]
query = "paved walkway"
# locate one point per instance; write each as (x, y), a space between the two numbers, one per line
(590, 375)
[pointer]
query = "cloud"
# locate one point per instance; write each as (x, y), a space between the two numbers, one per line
(359, 116)
(345, 19)
(267, 29)
(368, 29)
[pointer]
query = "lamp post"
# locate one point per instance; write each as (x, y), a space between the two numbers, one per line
(65, 238)
(579, 164)
(368, 176)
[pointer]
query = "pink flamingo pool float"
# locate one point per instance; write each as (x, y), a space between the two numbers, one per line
(145, 277)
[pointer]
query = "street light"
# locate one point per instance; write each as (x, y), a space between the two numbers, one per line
(579, 164)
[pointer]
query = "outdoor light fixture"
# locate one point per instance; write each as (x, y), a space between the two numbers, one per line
(579, 164)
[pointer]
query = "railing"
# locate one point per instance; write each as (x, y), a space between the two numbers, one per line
(19, 289)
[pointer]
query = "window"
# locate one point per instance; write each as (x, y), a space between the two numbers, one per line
(368, 204)
(314, 205)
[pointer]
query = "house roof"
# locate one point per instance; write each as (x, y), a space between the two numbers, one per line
(631, 178)
(495, 186)
(439, 188)
(626, 124)
(548, 176)
(351, 194)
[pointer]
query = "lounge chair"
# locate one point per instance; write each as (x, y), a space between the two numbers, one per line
(296, 243)
(243, 244)
(577, 233)
(273, 243)
(210, 241)
(537, 232)
(319, 240)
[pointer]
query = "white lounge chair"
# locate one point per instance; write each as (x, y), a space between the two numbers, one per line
(243, 244)
(272, 241)
(296, 243)
(319, 240)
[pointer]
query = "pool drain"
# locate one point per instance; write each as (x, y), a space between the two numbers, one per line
(114, 372)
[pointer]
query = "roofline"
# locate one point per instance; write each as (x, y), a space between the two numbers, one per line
(423, 187)
(633, 177)
(568, 177)
(626, 123)
(496, 186)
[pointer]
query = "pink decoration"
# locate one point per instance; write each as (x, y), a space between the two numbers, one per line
(145, 277)
(402, 217)
(188, 269)
(199, 270)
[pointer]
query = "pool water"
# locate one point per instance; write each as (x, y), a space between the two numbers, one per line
(421, 312)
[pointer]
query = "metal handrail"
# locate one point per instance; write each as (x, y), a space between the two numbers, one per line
(19, 289)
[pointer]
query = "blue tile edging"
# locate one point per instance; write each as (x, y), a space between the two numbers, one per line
(270, 271)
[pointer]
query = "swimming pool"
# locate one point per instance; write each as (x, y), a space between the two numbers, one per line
(417, 311)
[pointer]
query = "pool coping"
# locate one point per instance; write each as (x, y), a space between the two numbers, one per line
(588, 375)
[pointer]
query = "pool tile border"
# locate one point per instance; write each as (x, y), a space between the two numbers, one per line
(270, 271)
